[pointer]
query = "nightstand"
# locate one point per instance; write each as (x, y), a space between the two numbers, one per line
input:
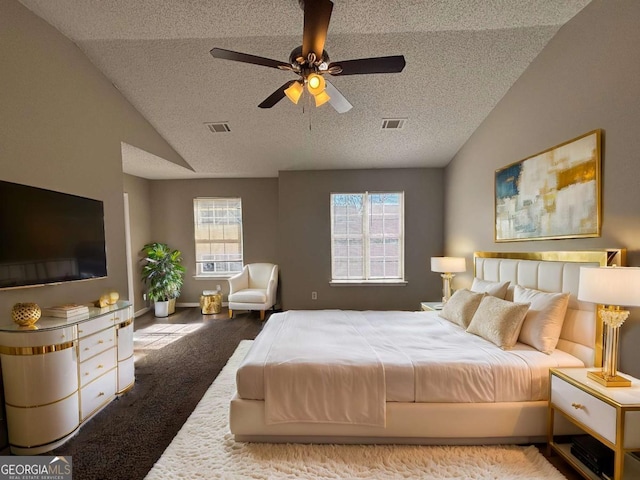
(611, 415)
(431, 306)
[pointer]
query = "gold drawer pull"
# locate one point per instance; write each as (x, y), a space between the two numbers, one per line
(577, 406)
(100, 366)
(100, 341)
(86, 348)
(80, 331)
(87, 373)
(101, 394)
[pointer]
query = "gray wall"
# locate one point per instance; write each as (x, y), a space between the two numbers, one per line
(586, 78)
(304, 237)
(62, 126)
(139, 192)
(172, 222)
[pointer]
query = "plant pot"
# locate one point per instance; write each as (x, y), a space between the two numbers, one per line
(161, 309)
(164, 309)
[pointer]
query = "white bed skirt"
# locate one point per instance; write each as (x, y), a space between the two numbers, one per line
(409, 423)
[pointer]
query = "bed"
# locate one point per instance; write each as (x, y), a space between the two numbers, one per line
(414, 377)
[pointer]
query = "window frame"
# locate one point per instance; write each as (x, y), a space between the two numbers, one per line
(366, 237)
(198, 264)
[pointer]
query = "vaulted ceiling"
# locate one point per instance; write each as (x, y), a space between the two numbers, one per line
(461, 58)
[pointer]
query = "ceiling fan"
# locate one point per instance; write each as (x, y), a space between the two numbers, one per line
(310, 62)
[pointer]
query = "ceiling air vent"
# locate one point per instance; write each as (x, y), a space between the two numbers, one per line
(218, 127)
(393, 123)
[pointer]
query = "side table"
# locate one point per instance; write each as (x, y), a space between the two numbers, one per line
(610, 415)
(431, 306)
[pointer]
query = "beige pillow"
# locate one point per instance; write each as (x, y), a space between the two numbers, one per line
(461, 307)
(498, 321)
(495, 289)
(543, 323)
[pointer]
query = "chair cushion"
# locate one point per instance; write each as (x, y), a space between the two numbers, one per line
(249, 295)
(259, 274)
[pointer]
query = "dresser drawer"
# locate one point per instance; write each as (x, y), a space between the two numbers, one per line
(95, 325)
(47, 338)
(97, 343)
(98, 393)
(585, 408)
(29, 427)
(51, 377)
(96, 366)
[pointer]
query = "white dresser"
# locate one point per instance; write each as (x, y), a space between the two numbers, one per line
(60, 375)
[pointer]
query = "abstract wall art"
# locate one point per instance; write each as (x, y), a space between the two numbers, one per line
(553, 194)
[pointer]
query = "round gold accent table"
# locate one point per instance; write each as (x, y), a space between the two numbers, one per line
(210, 302)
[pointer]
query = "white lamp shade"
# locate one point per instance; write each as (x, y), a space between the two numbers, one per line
(619, 286)
(448, 264)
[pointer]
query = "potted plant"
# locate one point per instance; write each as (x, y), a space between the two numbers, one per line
(163, 275)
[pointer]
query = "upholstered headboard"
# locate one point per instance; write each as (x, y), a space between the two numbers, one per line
(555, 272)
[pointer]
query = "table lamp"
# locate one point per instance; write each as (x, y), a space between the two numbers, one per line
(610, 288)
(447, 266)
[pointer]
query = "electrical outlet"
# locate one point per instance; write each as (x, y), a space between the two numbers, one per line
(144, 297)
(314, 295)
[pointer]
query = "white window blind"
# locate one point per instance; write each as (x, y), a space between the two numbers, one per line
(367, 236)
(218, 235)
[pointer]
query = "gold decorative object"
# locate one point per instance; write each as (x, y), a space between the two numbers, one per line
(102, 302)
(113, 298)
(210, 303)
(26, 314)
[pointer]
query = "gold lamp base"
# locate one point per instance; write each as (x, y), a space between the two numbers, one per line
(608, 381)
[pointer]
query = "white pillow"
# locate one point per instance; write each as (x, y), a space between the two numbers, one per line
(543, 323)
(498, 321)
(461, 307)
(495, 289)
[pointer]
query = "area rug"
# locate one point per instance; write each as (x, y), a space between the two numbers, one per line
(204, 448)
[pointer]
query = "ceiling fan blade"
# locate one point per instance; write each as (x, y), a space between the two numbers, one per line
(276, 96)
(337, 100)
(246, 58)
(317, 14)
(393, 64)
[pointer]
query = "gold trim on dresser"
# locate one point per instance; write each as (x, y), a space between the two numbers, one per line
(41, 350)
(125, 324)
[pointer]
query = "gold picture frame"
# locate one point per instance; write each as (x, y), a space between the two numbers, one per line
(551, 195)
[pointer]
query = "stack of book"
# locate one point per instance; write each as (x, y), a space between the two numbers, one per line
(594, 454)
(70, 310)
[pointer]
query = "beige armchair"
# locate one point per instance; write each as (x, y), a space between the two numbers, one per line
(254, 288)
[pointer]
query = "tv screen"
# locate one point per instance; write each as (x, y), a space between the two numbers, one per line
(49, 237)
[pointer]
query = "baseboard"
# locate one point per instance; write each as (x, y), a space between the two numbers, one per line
(141, 312)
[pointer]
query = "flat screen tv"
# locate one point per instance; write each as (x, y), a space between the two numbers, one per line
(49, 237)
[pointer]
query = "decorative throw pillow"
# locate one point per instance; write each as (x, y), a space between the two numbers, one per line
(495, 289)
(543, 323)
(498, 321)
(461, 307)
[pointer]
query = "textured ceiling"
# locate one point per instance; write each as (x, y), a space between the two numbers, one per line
(462, 57)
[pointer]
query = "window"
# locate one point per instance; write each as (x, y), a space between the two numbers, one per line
(218, 235)
(367, 236)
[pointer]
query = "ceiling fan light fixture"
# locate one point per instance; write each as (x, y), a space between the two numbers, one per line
(315, 84)
(294, 92)
(321, 98)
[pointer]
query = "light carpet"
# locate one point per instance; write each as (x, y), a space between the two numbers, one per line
(204, 448)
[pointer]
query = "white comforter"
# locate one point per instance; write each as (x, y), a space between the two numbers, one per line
(298, 365)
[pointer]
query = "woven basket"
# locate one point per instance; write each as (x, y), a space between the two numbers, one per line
(25, 314)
